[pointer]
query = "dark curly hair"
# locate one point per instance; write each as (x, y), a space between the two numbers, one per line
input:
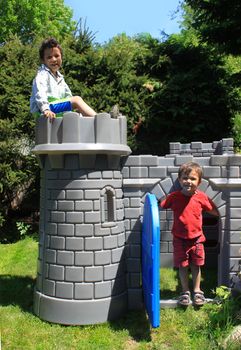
(49, 44)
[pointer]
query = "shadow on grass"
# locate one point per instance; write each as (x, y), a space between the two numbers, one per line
(17, 290)
(137, 324)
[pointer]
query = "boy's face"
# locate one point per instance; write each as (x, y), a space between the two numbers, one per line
(53, 59)
(189, 182)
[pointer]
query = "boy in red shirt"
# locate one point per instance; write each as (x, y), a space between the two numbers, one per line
(187, 205)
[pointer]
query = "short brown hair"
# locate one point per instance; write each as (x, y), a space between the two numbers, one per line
(49, 44)
(186, 168)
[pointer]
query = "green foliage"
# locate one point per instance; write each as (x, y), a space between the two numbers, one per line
(29, 18)
(18, 166)
(225, 314)
(23, 228)
(189, 96)
(237, 131)
(218, 21)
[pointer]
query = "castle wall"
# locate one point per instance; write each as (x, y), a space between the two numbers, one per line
(92, 197)
(158, 175)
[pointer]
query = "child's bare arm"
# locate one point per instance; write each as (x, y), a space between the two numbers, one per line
(49, 114)
(213, 212)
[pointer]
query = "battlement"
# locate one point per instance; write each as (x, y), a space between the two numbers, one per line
(202, 149)
(74, 133)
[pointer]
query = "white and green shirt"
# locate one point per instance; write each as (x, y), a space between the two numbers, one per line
(47, 87)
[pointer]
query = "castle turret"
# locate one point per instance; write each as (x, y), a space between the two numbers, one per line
(81, 265)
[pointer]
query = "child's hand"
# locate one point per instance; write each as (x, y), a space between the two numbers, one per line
(49, 114)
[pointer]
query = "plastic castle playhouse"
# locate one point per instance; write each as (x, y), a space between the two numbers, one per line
(92, 195)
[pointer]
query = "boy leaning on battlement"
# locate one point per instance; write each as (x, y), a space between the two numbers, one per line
(187, 205)
(50, 93)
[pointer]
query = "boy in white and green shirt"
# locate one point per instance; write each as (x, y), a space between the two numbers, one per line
(50, 93)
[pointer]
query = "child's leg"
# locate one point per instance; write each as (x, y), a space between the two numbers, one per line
(196, 277)
(183, 275)
(81, 106)
(198, 295)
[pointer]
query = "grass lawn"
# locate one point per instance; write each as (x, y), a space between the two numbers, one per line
(180, 329)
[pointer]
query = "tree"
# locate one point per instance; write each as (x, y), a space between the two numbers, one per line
(219, 23)
(188, 95)
(18, 166)
(30, 18)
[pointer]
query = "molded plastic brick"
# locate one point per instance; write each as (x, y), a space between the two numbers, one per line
(84, 258)
(66, 205)
(84, 205)
(183, 159)
(103, 289)
(158, 172)
(117, 254)
(236, 213)
(74, 218)
(235, 202)
(54, 194)
(49, 287)
(65, 230)
(84, 230)
(108, 174)
(93, 274)
(83, 291)
(101, 231)
(121, 239)
(51, 229)
(64, 290)
(138, 172)
(111, 271)
(135, 202)
(103, 257)
(77, 194)
(74, 243)
(163, 161)
(56, 272)
(148, 160)
(57, 216)
(93, 243)
(92, 217)
(95, 175)
(166, 185)
(50, 256)
(65, 258)
(74, 274)
(119, 228)
(110, 242)
(92, 194)
(214, 171)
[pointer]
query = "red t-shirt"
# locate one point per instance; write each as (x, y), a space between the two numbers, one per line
(187, 213)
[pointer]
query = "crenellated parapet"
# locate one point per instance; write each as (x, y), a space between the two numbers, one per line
(86, 135)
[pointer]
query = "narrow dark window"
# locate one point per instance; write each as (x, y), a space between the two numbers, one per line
(109, 206)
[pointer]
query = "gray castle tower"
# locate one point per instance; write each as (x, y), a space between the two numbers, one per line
(81, 265)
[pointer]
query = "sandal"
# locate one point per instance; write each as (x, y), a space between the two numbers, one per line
(184, 299)
(198, 298)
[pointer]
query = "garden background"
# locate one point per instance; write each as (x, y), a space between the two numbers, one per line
(183, 87)
(180, 88)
